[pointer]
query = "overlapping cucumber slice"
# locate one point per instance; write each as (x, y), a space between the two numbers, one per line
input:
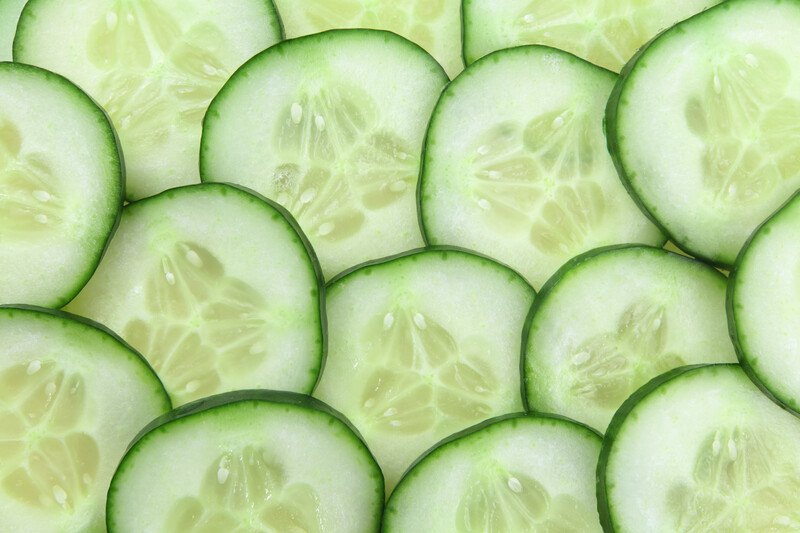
(435, 25)
(614, 318)
(9, 16)
(154, 65)
(217, 288)
(701, 449)
(512, 473)
(524, 176)
(605, 32)
(330, 126)
(60, 187)
(709, 144)
(247, 461)
(71, 397)
(422, 346)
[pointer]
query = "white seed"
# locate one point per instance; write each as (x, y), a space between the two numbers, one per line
(257, 348)
(419, 320)
(732, 451)
(717, 84)
(192, 386)
(402, 156)
(129, 18)
(656, 324)
(494, 174)
(87, 479)
(222, 475)
(581, 357)
(529, 18)
(716, 446)
(480, 390)
(297, 113)
(563, 247)
(484, 204)
(326, 229)
(751, 60)
(483, 149)
(319, 122)
(395, 423)
(732, 189)
(514, 485)
(40, 218)
(558, 122)
(194, 259)
(111, 20)
(308, 195)
(398, 186)
(59, 495)
(390, 411)
(388, 320)
(50, 389)
(170, 277)
(34, 366)
(42, 196)
(210, 70)
(369, 403)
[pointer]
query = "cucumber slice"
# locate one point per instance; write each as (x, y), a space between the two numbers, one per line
(154, 65)
(605, 32)
(330, 126)
(72, 396)
(435, 25)
(700, 449)
(612, 319)
(512, 473)
(247, 461)
(423, 345)
(9, 16)
(217, 288)
(524, 176)
(703, 124)
(763, 313)
(61, 183)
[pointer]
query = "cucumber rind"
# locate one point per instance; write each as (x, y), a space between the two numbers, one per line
(742, 353)
(226, 399)
(117, 162)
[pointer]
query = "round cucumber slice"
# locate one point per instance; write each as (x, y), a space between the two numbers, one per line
(247, 461)
(703, 124)
(435, 25)
(512, 473)
(72, 396)
(61, 183)
(9, 16)
(605, 32)
(700, 449)
(423, 345)
(217, 288)
(154, 65)
(330, 126)
(763, 312)
(614, 318)
(524, 176)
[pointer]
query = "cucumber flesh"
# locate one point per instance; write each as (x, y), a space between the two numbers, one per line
(435, 25)
(216, 288)
(709, 144)
(60, 187)
(701, 449)
(611, 320)
(605, 32)
(763, 311)
(154, 65)
(73, 396)
(330, 126)
(524, 176)
(513, 473)
(247, 461)
(9, 16)
(421, 346)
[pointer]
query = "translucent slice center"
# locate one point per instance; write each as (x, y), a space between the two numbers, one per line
(337, 163)
(750, 128)
(421, 377)
(160, 74)
(537, 180)
(246, 491)
(498, 501)
(203, 326)
(48, 462)
(608, 367)
(742, 481)
(30, 202)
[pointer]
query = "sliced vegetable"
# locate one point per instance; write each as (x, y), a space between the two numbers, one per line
(61, 183)
(524, 176)
(512, 473)
(423, 345)
(247, 461)
(330, 126)
(9, 16)
(72, 396)
(154, 65)
(217, 288)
